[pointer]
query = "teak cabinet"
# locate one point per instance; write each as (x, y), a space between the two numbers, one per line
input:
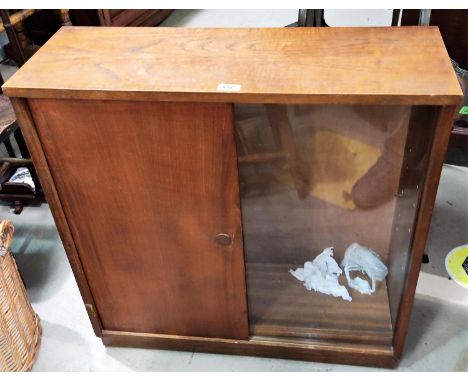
(188, 170)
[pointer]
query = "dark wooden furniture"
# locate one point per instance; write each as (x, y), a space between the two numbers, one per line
(453, 25)
(119, 17)
(20, 47)
(177, 241)
(18, 193)
(132, 17)
(14, 27)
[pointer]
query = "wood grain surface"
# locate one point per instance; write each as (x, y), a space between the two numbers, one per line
(280, 306)
(146, 187)
(407, 65)
(307, 350)
(28, 129)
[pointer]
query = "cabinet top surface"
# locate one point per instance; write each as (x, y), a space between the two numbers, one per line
(405, 65)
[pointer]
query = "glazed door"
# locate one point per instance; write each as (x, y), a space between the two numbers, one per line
(150, 192)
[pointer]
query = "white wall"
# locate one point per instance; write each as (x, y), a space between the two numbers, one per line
(358, 17)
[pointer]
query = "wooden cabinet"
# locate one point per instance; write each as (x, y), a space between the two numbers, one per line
(189, 169)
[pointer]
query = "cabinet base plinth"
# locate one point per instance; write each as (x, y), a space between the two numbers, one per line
(259, 347)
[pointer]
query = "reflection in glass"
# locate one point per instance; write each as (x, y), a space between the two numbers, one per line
(311, 177)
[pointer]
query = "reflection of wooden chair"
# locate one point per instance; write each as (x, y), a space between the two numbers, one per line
(283, 138)
(281, 129)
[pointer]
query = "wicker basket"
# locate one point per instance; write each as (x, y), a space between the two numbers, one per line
(20, 332)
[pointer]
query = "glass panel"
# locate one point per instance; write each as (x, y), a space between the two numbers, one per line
(311, 177)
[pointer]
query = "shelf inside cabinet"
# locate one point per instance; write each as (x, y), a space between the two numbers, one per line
(280, 306)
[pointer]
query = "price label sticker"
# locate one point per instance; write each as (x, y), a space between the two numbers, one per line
(229, 87)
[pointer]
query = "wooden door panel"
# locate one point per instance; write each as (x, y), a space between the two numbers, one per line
(146, 187)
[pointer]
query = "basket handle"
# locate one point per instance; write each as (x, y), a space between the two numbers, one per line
(6, 235)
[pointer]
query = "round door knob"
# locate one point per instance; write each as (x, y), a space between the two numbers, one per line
(223, 239)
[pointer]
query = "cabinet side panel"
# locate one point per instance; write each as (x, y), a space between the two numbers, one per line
(413, 170)
(146, 188)
(438, 147)
(31, 137)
